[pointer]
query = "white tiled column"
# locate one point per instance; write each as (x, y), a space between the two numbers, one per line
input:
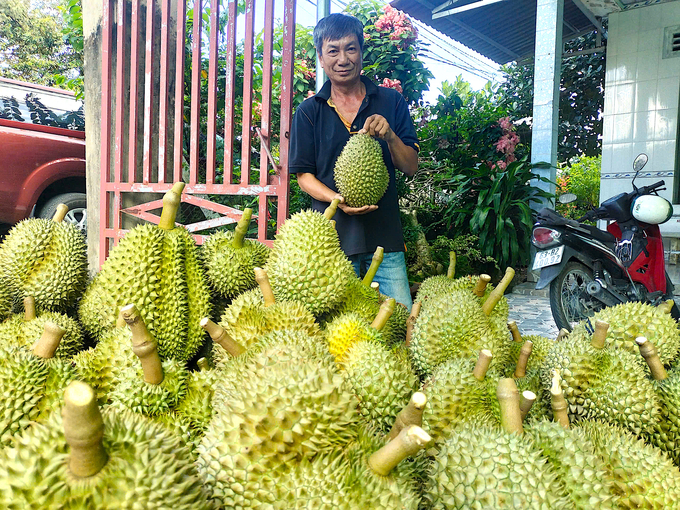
(548, 58)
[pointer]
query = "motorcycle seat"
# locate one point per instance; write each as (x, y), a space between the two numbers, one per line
(600, 235)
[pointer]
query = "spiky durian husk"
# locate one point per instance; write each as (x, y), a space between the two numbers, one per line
(196, 407)
(578, 465)
(539, 349)
(307, 265)
(642, 475)
(138, 396)
(346, 330)
(453, 325)
(5, 302)
(101, 366)
(243, 320)
(159, 272)
(666, 432)
(604, 384)
(60, 374)
(230, 270)
(147, 468)
(47, 260)
(284, 411)
(454, 396)
(627, 321)
(484, 467)
(22, 382)
(360, 172)
(382, 379)
(19, 332)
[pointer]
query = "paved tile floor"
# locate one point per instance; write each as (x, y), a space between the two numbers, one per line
(532, 315)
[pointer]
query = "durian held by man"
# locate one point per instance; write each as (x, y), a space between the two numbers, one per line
(347, 104)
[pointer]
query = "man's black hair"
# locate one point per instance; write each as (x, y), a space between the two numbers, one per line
(336, 26)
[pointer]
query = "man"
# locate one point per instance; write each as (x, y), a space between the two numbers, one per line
(347, 104)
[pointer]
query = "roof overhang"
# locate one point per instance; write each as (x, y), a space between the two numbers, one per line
(505, 30)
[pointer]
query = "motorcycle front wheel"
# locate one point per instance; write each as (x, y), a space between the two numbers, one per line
(570, 303)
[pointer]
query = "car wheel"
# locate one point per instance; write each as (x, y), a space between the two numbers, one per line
(77, 209)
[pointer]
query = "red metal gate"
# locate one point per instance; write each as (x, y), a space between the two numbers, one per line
(130, 180)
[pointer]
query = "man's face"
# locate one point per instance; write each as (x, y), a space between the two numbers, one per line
(341, 59)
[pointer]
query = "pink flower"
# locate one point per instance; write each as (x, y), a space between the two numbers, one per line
(501, 164)
(392, 84)
(505, 123)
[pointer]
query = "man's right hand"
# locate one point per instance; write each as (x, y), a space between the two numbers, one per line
(353, 211)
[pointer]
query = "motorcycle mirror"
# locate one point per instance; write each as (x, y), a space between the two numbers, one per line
(638, 165)
(567, 198)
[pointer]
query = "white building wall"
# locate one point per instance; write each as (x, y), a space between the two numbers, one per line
(642, 92)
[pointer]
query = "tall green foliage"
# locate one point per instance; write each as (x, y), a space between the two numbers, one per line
(582, 178)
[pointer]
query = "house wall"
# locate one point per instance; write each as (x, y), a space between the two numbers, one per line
(642, 92)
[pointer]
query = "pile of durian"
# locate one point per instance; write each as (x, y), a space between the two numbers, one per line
(232, 376)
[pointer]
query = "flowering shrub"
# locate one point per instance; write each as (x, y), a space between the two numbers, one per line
(581, 176)
(391, 49)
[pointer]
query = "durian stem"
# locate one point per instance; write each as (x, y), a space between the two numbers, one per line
(384, 314)
(480, 286)
(409, 442)
(525, 402)
(332, 222)
(262, 280)
(564, 333)
(524, 353)
(83, 430)
(375, 264)
(600, 334)
(143, 345)
(331, 209)
(508, 398)
(514, 330)
(651, 355)
(412, 414)
(666, 306)
(411, 321)
(171, 201)
(29, 308)
(220, 336)
(558, 402)
(60, 213)
(376, 287)
(451, 272)
(242, 228)
(203, 364)
(482, 365)
(47, 344)
(497, 294)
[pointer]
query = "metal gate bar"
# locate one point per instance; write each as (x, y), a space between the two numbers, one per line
(161, 84)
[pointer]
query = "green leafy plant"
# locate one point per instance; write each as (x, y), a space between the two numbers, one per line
(582, 178)
(495, 204)
(469, 257)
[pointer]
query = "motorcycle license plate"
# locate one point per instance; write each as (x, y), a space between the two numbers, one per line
(548, 257)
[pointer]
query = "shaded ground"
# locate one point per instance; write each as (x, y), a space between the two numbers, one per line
(532, 315)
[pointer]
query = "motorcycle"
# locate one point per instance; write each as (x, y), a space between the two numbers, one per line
(588, 268)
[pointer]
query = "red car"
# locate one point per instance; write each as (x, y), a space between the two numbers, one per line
(42, 153)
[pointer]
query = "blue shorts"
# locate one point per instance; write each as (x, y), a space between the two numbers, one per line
(391, 275)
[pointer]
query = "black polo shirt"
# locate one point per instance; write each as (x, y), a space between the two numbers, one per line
(317, 137)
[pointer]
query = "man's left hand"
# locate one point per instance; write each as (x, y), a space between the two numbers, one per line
(377, 125)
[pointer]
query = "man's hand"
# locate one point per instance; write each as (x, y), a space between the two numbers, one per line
(377, 125)
(352, 211)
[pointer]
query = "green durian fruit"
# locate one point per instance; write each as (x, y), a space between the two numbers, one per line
(31, 382)
(540, 346)
(243, 319)
(457, 391)
(157, 269)
(283, 411)
(628, 321)
(101, 366)
(381, 378)
(46, 259)
(481, 466)
(5, 302)
(24, 330)
(642, 476)
(136, 464)
(360, 172)
(345, 330)
(602, 383)
(230, 259)
(577, 464)
(196, 407)
(306, 263)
